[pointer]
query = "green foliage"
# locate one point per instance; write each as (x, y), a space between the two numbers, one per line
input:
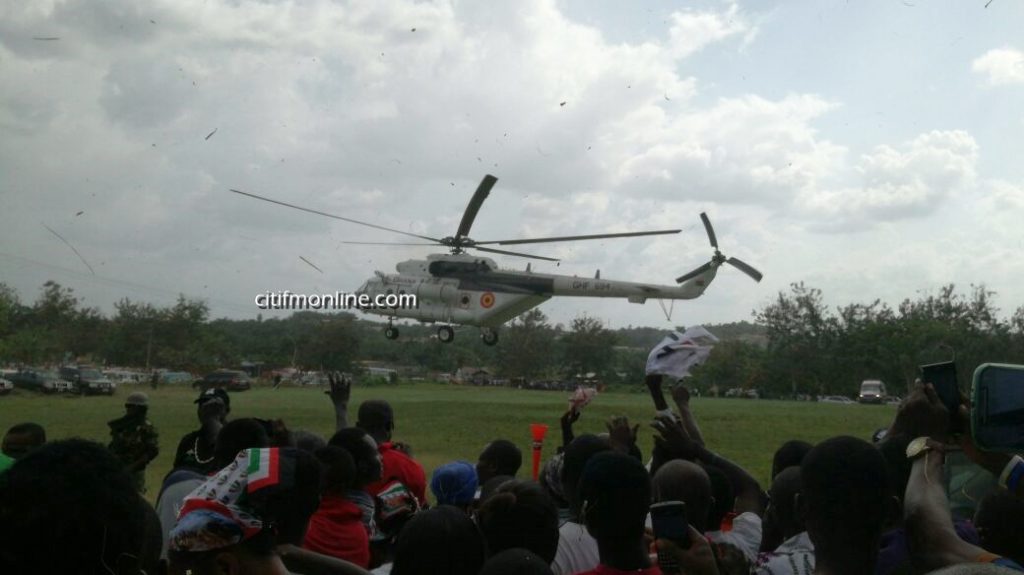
(812, 349)
(589, 348)
(526, 345)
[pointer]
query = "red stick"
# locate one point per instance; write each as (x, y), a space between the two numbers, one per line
(537, 431)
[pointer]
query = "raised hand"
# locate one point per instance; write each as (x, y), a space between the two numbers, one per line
(340, 392)
(340, 387)
(673, 439)
(621, 436)
(681, 395)
(922, 413)
(697, 559)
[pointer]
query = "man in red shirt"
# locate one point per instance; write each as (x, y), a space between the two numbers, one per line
(377, 419)
(336, 529)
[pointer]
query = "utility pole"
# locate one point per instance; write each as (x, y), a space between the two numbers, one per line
(149, 346)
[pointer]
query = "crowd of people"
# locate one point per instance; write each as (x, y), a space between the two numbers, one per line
(249, 496)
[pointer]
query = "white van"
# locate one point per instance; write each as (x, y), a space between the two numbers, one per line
(872, 391)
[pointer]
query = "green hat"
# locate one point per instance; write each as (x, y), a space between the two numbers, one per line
(137, 398)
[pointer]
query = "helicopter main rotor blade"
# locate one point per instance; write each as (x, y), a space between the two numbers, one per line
(387, 243)
(696, 272)
(475, 202)
(710, 230)
(518, 254)
(575, 238)
(344, 219)
(745, 268)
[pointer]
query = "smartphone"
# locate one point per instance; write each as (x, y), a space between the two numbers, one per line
(942, 376)
(668, 519)
(997, 417)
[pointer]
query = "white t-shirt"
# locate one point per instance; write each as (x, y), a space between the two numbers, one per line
(169, 505)
(794, 557)
(577, 550)
(745, 535)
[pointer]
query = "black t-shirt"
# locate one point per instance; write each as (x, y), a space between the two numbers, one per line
(187, 458)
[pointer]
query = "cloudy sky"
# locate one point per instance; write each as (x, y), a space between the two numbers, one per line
(868, 149)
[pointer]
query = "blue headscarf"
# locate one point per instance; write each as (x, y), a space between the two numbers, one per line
(454, 483)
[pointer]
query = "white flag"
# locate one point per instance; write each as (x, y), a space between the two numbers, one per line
(680, 352)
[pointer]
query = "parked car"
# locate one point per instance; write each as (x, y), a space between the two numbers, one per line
(872, 391)
(87, 380)
(836, 399)
(123, 376)
(40, 380)
(893, 400)
(5, 386)
(176, 377)
(229, 379)
(312, 378)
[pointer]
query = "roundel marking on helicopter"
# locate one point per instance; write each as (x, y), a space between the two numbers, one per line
(486, 300)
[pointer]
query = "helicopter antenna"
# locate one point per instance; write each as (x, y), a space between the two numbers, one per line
(344, 219)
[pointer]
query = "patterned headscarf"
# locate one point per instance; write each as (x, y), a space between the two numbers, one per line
(551, 477)
(218, 513)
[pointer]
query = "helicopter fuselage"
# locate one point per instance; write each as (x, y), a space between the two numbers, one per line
(471, 290)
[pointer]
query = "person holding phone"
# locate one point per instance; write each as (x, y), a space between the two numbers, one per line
(616, 492)
(931, 538)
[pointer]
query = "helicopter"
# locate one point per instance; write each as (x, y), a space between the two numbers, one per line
(459, 288)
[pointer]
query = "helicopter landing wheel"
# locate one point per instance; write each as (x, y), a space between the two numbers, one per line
(391, 332)
(490, 337)
(445, 334)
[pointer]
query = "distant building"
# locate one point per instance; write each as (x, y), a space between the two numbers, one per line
(378, 371)
(472, 376)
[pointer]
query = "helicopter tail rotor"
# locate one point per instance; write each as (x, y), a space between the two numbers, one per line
(745, 268)
(688, 276)
(718, 259)
(710, 230)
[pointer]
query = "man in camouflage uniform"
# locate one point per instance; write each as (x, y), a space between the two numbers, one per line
(133, 439)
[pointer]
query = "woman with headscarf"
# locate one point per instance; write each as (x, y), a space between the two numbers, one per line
(455, 484)
(219, 530)
(250, 518)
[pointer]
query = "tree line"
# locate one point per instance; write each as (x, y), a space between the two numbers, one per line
(795, 344)
(59, 328)
(813, 349)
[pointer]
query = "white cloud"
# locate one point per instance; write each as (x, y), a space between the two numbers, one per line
(746, 149)
(910, 181)
(1001, 66)
(343, 107)
(691, 30)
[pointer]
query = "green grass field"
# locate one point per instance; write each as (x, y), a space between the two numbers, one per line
(446, 422)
